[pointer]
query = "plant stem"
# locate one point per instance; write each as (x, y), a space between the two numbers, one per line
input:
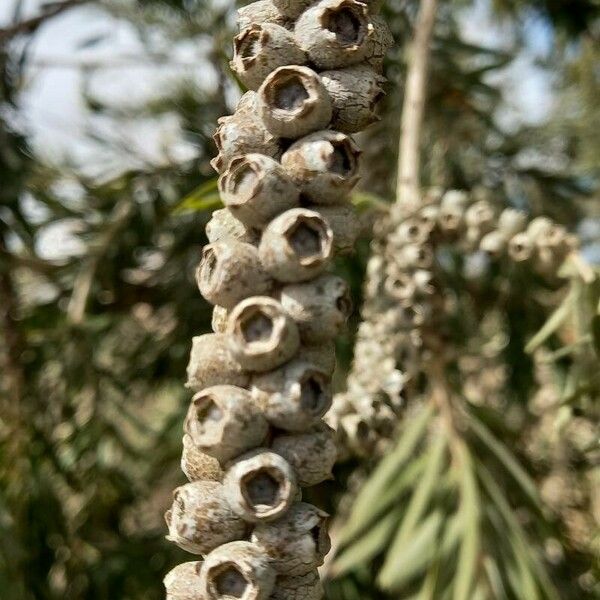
(408, 184)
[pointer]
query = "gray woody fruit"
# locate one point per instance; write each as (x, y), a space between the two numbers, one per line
(200, 518)
(237, 570)
(241, 133)
(256, 188)
(380, 41)
(261, 48)
(296, 246)
(262, 11)
(521, 247)
(320, 307)
(295, 396)
(322, 354)
(292, 8)
(303, 587)
(183, 581)
(262, 335)
(493, 243)
(354, 92)
(229, 272)
(324, 165)
(224, 422)
(212, 363)
(311, 454)
(260, 486)
(344, 223)
(292, 102)
(224, 226)
(335, 33)
(298, 542)
(511, 222)
(197, 465)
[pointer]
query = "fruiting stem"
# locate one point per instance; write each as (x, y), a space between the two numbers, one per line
(407, 191)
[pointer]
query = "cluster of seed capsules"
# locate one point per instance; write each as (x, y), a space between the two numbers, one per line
(405, 305)
(254, 432)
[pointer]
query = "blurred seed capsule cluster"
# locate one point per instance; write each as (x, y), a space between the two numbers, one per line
(406, 306)
(254, 431)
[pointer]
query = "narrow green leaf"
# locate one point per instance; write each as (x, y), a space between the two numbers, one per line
(415, 510)
(417, 552)
(505, 456)
(362, 520)
(469, 510)
(367, 502)
(494, 578)
(367, 546)
(204, 198)
(596, 333)
(513, 524)
(554, 322)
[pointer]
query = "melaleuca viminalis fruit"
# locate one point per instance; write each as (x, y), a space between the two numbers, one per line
(254, 431)
(404, 305)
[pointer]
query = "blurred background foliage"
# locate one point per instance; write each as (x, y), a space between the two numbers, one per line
(98, 303)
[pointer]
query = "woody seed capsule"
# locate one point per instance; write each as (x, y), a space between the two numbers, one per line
(200, 518)
(242, 133)
(224, 422)
(380, 41)
(261, 48)
(354, 92)
(224, 226)
(292, 8)
(262, 11)
(237, 570)
(520, 247)
(344, 224)
(311, 454)
(296, 246)
(324, 165)
(197, 465)
(493, 243)
(335, 33)
(322, 354)
(298, 542)
(511, 222)
(292, 102)
(260, 486)
(320, 307)
(229, 272)
(212, 363)
(262, 335)
(303, 587)
(256, 188)
(295, 396)
(182, 582)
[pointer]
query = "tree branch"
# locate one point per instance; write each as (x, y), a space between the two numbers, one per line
(28, 26)
(408, 184)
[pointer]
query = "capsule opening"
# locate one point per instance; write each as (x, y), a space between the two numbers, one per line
(312, 395)
(257, 328)
(228, 582)
(262, 489)
(346, 25)
(289, 93)
(306, 240)
(250, 45)
(208, 416)
(209, 264)
(243, 181)
(340, 161)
